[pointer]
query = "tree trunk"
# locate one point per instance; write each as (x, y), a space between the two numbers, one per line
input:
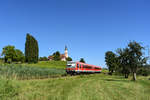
(134, 76)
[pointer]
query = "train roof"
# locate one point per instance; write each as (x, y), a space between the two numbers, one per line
(82, 63)
(88, 64)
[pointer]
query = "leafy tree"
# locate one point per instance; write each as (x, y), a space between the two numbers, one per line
(56, 56)
(8, 53)
(69, 59)
(43, 59)
(111, 61)
(124, 61)
(11, 54)
(82, 60)
(136, 58)
(31, 49)
(19, 56)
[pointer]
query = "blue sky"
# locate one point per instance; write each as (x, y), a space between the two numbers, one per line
(89, 28)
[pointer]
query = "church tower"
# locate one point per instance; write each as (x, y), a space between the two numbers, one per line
(66, 52)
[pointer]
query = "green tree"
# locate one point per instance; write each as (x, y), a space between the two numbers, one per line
(56, 56)
(136, 58)
(124, 62)
(11, 54)
(82, 60)
(31, 49)
(111, 61)
(8, 53)
(69, 59)
(19, 56)
(43, 59)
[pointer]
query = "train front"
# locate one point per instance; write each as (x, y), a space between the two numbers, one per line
(71, 66)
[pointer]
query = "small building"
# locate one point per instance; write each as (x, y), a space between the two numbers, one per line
(62, 56)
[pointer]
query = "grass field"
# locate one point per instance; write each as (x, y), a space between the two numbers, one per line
(48, 64)
(83, 87)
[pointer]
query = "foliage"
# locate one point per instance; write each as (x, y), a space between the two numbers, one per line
(111, 61)
(31, 49)
(11, 54)
(8, 53)
(82, 60)
(69, 59)
(56, 56)
(128, 59)
(123, 58)
(145, 70)
(43, 59)
(136, 58)
(19, 56)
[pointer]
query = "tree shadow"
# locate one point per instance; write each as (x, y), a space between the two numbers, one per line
(116, 80)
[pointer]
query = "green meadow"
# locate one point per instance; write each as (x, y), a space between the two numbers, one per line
(81, 87)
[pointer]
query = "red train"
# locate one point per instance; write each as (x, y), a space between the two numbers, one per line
(78, 67)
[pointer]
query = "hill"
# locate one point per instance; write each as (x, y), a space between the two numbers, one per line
(48, 64)
(83, 87)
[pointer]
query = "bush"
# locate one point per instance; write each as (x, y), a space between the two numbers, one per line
(43, 59)
(144, 71)
(69, 59)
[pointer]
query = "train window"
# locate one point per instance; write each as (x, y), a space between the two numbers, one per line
(97, 68)
(80, 65)
(77, 65)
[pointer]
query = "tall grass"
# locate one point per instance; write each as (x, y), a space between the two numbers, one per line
(8, 89)
(83, 87)
(28, 72)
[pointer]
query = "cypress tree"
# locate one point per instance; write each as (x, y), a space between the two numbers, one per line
(31, 49)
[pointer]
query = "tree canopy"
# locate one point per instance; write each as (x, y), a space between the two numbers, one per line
(82, 60)
(69, 59)
(111, 61)
(31, 49)
(56, 56)
(11, 54)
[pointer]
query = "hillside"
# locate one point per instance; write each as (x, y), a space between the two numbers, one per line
(42, 64)
(83, 87)
(44, 69)
(48, 64)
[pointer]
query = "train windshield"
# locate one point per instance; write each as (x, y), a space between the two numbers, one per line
(71, 64)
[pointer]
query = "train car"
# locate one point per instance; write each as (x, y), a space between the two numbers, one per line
(78, 67)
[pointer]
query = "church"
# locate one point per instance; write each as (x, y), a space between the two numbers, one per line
(63, 57)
